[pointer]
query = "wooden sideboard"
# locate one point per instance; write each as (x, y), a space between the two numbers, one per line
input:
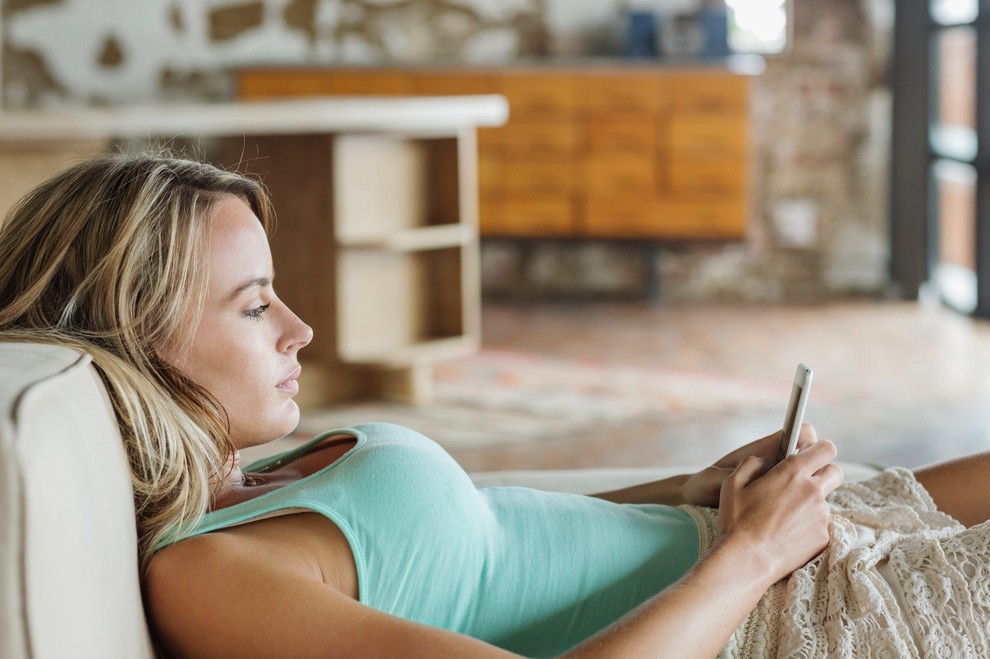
(598, 151)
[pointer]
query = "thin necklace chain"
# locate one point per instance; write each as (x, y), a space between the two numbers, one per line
(247, 480)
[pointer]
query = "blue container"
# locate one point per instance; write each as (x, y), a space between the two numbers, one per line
(641, 34)
(714, 23)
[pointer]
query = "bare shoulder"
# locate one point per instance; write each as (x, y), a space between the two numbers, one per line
(266, 590)
(295, 543)
(222, 580)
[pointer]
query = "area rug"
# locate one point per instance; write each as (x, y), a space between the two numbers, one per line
(497, 397)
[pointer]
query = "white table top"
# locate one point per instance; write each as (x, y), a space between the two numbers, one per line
(297, 116)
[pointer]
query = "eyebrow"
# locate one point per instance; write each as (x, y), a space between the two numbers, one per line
(257, 281)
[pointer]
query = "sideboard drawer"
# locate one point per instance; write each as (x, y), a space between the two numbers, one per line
(707, 134)
(371, 82)
(452, 83)
(279, 83)
(536, 138)
(490, 171)
(704, 218)
(622, 94)
(490, 217)
(621, 217)
(714, 92)
(538, 95)
(537, 217)
(625, 137)
(690, 174)
(616, 176)
(528, 177)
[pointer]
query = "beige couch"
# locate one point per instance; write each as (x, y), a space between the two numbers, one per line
(68, 553)
(68, 562)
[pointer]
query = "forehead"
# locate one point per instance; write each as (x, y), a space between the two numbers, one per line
(238, 244)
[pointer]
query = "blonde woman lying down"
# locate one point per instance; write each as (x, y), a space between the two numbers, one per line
(370, 541)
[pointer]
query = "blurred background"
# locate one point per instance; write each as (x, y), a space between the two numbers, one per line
(688, 198)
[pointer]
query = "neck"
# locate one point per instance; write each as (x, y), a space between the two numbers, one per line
(233, 476)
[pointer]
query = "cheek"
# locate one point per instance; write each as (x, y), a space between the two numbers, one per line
(241, 376)
(232, 372)
(216, 359)
(237, 366)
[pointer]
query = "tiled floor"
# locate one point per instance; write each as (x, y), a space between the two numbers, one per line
(895, 383)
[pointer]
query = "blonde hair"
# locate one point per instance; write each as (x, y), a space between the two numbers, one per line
(111, 257)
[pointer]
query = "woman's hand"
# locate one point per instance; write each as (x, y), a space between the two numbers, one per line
(780, 514)
(704, 488)
(770, 525)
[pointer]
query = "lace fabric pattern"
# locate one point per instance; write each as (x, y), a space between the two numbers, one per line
(899, 579)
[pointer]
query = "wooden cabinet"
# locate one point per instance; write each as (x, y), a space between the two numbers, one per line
(604, 152)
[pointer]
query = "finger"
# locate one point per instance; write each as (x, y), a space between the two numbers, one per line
(807, 436)
(829, 477)
(748, 470)
(815, 456)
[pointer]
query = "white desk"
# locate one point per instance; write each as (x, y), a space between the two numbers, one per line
(377, 244)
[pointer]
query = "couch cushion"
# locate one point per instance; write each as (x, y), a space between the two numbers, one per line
(68, 543)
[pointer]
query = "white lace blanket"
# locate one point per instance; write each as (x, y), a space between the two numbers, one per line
(899, 579)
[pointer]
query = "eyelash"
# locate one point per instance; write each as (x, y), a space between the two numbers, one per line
(255, 314)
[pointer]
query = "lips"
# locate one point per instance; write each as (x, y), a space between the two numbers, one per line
(290, 383)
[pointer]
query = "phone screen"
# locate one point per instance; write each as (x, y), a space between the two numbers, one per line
(795, 413)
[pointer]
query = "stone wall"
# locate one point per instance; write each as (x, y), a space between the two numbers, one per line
(822, 130)
(821, 115)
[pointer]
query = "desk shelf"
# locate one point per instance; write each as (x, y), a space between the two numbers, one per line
(397, 307)
(412, 240)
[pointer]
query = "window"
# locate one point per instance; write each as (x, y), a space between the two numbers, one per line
(940, 201)
(757, 26)
(950, 12)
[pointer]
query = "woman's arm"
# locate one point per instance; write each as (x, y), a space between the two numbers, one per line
(764, 537)
(221, 595)
(960, 487)
(703, 488)
(669, 491)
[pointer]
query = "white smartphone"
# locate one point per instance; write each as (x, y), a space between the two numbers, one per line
(795, 412)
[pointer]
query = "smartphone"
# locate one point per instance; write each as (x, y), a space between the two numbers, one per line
(795, 412)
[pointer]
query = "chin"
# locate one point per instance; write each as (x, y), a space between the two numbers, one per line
(265, 422)
(262, 431)
(288, 422)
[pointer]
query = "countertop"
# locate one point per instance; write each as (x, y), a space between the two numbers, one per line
(311, 115)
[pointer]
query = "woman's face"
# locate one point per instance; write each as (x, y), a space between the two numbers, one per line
(245, 347)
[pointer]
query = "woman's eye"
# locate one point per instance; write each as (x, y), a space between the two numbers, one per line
(256, 313)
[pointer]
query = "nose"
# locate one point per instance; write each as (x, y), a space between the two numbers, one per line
(306, 334)
(297, 334)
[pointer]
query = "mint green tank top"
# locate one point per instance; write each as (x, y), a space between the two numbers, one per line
(530, 571)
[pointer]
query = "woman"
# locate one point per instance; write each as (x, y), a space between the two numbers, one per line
(370, 541)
